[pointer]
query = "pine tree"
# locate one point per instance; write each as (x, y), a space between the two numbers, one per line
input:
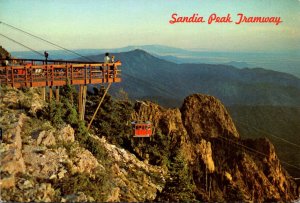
(180, 185)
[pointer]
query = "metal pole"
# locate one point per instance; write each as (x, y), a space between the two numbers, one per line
(99, 105)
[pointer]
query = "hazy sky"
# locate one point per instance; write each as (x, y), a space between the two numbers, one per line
(102, 24)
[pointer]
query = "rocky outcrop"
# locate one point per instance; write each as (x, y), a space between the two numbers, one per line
(12, 161)
(223, 166)
(31, 100)
(134, 180)
(205, 116)
(272, 169)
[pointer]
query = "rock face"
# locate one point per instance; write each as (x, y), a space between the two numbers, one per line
(12, 161)
(134, 180)
(31, 100)
(205, 116)
(223, 167)
(205, 152)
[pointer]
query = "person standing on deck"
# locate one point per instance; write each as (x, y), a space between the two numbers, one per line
(106, 61)
(46, 55)
(106, 58)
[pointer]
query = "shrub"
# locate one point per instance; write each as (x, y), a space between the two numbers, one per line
(56, 113)
(97, 186)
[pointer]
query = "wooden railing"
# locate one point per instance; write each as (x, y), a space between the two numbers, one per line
(40, 73)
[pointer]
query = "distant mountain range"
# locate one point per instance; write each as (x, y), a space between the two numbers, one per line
(288, 62)
(168, 83)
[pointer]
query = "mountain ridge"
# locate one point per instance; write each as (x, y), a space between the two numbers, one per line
(275, 60)
(232, 85)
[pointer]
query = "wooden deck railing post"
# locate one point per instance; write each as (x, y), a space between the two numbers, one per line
(26, 76)
(71, 81)
(52, 72)
(108, 73)
(90, 73)
(83, 102)
(115, 70)
(13, 76)
(6, 70)
(57, 94)
(47, 76)
(50, 93)
(31, 75)
(86, 73)
(103, 73)
(67, 75)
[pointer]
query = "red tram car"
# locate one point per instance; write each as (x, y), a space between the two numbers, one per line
(142, 129)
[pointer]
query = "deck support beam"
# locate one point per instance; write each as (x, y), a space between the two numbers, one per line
(57, 94)
(50, 93)
(82, 101)
(43, 91)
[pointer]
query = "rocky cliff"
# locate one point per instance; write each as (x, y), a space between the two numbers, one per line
(223, 166)
(195, 153)
(4, 53)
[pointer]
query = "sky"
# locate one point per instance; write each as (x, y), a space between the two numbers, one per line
(93, 24)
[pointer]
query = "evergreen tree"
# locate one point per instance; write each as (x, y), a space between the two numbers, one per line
(180, 185)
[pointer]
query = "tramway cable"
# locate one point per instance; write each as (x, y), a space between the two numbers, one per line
(40, 38)
(260, 130)
(255, 151)
(23, 45)
(59, 46)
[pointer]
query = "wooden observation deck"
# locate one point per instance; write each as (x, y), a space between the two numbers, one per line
(54, 73)
(40, 73)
